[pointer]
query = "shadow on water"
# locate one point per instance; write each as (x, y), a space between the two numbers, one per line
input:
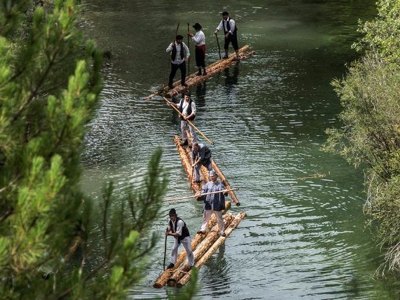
(200, 92)
(231, 77)
(217, 274)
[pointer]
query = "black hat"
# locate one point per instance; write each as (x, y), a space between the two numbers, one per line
(172, 212)
(179, 37)
(225, 13)
(197, 26)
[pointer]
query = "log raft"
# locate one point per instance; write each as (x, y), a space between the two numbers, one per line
(213, 248)
(203, 247)
(212, 69)
(184, 154)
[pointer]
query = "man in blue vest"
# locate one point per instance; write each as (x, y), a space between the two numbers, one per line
(179, 55)
(230, 32)
(178, 229)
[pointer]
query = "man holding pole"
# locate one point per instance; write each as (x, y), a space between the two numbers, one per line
(179, 55)
(201, 156)
(187, 109)
(230, 32)
(213, 202)
(178, 229)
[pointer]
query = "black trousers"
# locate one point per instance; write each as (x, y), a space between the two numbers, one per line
(232, 38)
(174, 68)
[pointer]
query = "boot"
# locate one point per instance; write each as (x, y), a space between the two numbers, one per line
(199, 72)
(204, 72)
(226, 55)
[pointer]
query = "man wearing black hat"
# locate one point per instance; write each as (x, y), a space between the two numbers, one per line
(200, 48)
(230, 32)
(179, 55)
(178, 229)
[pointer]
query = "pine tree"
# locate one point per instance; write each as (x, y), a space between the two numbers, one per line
(49, 86)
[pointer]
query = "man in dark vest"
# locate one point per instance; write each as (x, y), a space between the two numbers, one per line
(187, 107)
(179, 55)
(178, 229)
(201, 156)
(230, 31)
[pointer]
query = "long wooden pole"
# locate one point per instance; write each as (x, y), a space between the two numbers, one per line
(188, 40)
(189, 197)
(165, 251)
(190, 123)
(219, 48)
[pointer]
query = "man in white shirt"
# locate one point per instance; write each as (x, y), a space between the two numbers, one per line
(200, 48)
(178, 229)
(187, 108)
(179, 55)
(230, 32)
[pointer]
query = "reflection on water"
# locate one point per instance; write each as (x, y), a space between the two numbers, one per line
(201, 90)
(304, 235)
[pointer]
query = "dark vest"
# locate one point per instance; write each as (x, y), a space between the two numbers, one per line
(173, 54)
(185, 230)
(189, 110)
(228, 26)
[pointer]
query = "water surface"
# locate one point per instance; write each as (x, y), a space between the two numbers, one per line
(304, 234)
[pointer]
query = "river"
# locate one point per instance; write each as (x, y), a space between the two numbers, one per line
(304, 236)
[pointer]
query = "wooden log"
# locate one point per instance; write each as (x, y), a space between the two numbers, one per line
(198, 238)
(184, 154)
(186, 159)
(186, 163)
(223, 179)
(212, 69)
(239, 217)
(198, 253)
(166, 275)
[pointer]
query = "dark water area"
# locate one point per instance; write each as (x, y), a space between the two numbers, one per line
(304, 235)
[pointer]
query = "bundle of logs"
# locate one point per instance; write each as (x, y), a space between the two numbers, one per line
(203, 246)
(184, 154)
(214, 68)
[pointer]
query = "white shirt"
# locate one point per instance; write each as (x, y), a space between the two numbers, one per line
(185, 107)
(179, 227)
(178, 60)
(199, 38)
(222, 25)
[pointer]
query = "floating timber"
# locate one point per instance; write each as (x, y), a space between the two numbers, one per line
(213, 248)
(184, 154)
(212, 69)
(203, 246)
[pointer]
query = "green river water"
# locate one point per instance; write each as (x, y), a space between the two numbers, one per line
(304, 236)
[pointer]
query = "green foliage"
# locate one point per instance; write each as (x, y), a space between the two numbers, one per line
(370, 136)
(381, 34)
(50, 242)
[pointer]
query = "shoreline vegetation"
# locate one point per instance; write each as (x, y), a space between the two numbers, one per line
(56, 242)
(369, 136)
